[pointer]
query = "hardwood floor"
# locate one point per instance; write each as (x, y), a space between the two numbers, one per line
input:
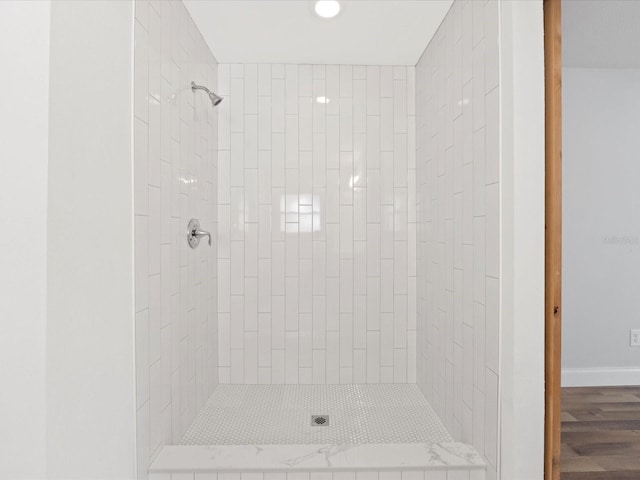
(600, 433)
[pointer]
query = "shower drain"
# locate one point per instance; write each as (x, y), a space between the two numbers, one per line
(319, 420)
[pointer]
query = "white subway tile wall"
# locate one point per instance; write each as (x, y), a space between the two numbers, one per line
(458, 225)
(175, 178)
(316, 232)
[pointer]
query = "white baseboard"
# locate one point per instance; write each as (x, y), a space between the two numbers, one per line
(600, 377)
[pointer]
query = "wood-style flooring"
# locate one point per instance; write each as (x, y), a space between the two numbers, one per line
(600, 433)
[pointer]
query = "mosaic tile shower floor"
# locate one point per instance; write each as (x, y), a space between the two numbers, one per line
(281, 415)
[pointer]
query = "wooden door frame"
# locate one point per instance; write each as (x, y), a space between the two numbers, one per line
(553, 234)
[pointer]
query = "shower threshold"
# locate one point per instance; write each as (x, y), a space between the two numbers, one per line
(315, 458)
(267, 428)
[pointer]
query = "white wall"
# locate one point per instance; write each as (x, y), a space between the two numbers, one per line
(90, 329)
(600, 34)
(601, 252)
(522, 166)
(175, 180)
(24, 56)
(317, 224)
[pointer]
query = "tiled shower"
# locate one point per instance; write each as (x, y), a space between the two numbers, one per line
(175, 177)
(316, 230)
(355, 218)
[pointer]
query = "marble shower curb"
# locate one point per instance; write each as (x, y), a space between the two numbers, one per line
(316, 458)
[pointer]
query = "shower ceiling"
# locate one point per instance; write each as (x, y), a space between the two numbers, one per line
(367, 32)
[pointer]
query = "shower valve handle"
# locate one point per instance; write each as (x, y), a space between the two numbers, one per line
(202, 233)
(194, 234)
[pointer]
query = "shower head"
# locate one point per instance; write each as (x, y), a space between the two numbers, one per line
(215, 99)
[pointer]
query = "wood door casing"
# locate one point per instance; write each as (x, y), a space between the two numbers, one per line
(553, 234)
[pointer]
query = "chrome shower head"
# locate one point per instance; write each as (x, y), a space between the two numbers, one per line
(215, 99)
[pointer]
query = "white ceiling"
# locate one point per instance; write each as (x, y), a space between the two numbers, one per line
(366, 32)
(601, 34)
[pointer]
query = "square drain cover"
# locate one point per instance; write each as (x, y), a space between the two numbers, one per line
(319, 420)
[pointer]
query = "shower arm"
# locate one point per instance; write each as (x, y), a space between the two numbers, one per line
(195, 87)
(215, 99)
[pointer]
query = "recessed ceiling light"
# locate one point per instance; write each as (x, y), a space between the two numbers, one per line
(327, 8)
(322, 100)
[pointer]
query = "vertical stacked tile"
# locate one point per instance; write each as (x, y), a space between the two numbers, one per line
(317, 224)
(458, 161)
(175, 176)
